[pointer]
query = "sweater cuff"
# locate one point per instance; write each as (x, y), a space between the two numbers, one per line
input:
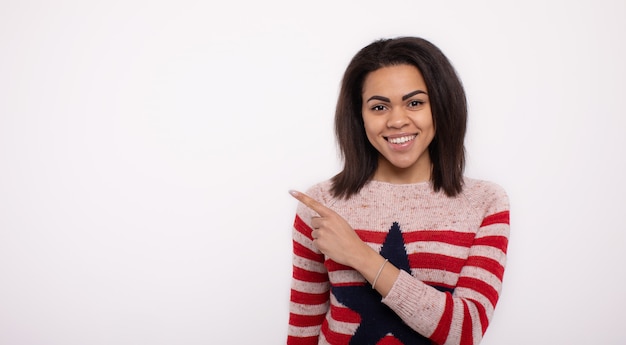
(409, 299)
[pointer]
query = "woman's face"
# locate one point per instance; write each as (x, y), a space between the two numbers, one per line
(398, 123)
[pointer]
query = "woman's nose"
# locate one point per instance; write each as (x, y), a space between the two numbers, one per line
(397, 118)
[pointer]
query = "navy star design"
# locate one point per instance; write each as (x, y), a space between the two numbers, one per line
(377, 319)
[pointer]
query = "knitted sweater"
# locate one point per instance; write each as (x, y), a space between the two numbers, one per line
(451, 253)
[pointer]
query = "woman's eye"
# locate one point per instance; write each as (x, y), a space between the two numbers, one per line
(378, 108)
(415, 103)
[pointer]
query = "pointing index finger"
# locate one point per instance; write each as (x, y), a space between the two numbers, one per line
(311, 203)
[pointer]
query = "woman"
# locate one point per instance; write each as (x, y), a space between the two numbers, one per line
(399, 247)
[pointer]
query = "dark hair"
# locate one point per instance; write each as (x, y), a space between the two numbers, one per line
(448, 107)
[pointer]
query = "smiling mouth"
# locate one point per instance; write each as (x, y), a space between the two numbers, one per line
(401, 140)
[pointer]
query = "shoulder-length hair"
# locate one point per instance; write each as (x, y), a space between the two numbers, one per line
(448, 106)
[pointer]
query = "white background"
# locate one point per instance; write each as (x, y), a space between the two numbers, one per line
(147, 147)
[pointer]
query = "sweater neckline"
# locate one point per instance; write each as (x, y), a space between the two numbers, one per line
(399, 185)
(416, 187)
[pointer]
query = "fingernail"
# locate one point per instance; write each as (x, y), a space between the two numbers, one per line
(293, 192)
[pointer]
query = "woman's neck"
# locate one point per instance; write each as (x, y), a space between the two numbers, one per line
(387, 172)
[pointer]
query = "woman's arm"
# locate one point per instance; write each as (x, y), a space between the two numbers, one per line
(309, 300)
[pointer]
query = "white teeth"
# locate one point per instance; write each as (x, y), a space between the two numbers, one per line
(401, 140)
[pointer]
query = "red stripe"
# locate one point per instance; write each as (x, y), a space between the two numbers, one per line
(348, 284)
(457, 238)
(436, 261)
(482, 313)
(466, 333)
(441, 333)
(301, 226)
(333, 337)
(305, 320)
(463, 239)
(309, 276)
(496, 218)
(291, 340)
(480, 287)
(306, 253)
(309, 298)
(344, 314)
(372, 236)
(332, 266)
(389, 340)
(499, 242)
(487, 264)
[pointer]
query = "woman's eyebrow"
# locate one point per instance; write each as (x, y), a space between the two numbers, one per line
(380, 98)
(411, 94)
(404, 98)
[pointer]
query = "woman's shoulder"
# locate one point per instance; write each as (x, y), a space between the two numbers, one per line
(486, 193)
(476, 184)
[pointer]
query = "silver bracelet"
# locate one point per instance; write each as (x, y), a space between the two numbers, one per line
(378, 274)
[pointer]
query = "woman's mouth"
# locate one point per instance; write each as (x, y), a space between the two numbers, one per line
(401, 140)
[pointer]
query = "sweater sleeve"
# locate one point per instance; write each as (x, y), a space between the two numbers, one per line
(461, 316)
(309, 287)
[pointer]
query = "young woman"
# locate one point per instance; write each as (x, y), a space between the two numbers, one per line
(399, 247)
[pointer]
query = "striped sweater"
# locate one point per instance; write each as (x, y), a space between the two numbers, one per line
(451, 253)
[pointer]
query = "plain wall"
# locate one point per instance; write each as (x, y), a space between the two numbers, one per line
(147, 147)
